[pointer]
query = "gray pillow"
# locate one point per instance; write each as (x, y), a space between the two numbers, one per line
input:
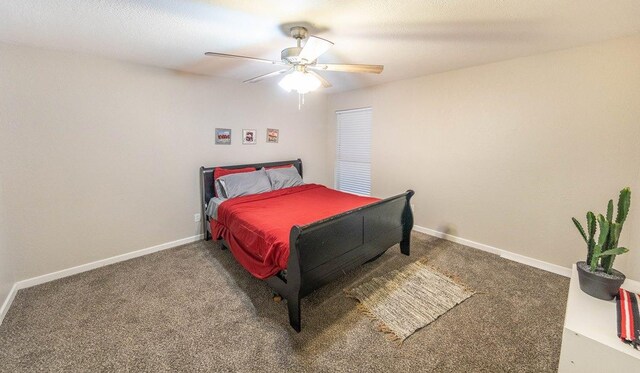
(245, 183)
(219, 189)
(284, 177)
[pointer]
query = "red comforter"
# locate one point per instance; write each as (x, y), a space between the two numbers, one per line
(257, 227)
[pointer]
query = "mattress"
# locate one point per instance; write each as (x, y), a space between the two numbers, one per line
(257, 227)
(212, 207)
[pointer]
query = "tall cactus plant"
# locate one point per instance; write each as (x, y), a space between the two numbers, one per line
(591, 229)
(602, 253)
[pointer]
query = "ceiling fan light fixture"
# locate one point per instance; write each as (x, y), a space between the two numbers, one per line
(299, 81)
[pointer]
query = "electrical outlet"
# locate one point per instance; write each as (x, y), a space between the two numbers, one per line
(196, 217)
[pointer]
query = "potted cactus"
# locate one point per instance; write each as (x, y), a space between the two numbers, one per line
(596, 275)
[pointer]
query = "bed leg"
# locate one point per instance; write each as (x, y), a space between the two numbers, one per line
(276, 297)
(294, 313)
(405, 247)
(205, 221)
(407, 225)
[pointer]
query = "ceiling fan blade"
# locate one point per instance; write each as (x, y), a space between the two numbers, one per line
(325, 83)
(314, 47)
(214, 54)
(349, 68)
(265, 76)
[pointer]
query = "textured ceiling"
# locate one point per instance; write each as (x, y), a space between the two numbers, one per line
(411, 38)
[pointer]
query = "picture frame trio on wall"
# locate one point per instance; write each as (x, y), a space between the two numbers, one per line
(249, 136)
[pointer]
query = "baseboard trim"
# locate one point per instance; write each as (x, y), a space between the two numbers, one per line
(549, 267)
(103, 262)
(7, 302)
(87, 267)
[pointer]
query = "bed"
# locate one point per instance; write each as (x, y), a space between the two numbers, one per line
(295, 259)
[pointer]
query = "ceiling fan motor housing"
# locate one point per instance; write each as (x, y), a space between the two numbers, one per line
(291, 55)
(299, 32)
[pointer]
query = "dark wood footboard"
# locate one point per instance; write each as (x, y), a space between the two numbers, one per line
(324, 250)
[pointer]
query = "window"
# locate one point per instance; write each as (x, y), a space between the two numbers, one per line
(353, 160)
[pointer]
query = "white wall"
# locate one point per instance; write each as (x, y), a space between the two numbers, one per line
(505, 154)
(103, 156)
(6, 259)
(634, 261)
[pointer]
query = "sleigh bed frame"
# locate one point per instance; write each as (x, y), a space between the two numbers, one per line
(322, 251)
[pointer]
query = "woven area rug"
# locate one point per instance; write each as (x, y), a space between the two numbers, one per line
(403, 301)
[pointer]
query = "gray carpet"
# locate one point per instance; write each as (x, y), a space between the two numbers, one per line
(194, 308)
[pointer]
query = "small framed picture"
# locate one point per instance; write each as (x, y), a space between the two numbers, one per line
(272, 135)
(223, 136)
(249, 137)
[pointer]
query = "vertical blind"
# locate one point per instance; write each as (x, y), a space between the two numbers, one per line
(353, 161)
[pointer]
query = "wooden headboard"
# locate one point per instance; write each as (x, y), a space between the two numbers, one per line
(206, 183)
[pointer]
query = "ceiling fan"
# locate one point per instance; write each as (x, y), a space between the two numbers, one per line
(301, 61)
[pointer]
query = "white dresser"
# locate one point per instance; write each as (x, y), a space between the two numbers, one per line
(589, 340)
